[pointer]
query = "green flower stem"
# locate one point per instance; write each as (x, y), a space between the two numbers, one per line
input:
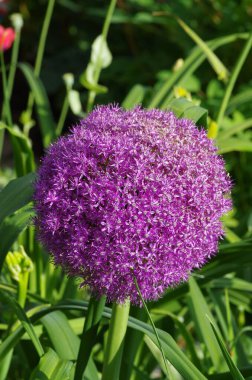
(6, 114)
(9, 83)
(114, 345)
(63, 116)
(13, 62)
(105, 29)
(233, 79)
(6, 102)
(41, 49)
(88, 338)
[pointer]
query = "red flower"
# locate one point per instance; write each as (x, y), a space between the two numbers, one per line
(7, 36)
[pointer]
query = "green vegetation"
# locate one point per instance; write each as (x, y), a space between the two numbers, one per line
(193, 57)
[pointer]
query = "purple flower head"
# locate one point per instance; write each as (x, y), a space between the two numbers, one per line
(132, 193)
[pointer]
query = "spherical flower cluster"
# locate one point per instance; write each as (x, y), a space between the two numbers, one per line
(129, 194)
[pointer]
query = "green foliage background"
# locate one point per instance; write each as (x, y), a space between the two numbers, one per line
(205, 326)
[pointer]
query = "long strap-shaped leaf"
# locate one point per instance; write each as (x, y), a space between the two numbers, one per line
(15, 195)
(234, 371)
(46, 121)
(26, 323)
(171, 350)
(199, 309)
(216, 63)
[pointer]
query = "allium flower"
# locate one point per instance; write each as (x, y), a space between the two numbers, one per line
(132, 193)
(7, 37)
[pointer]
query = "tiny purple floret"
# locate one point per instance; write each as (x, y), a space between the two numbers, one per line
(132, 193)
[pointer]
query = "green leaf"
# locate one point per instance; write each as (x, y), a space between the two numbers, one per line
(215, 62)
(46, 121)
(238, 100)
(101, 58)
(158, 356)
(172, 352)
(199, 309)
(87, 79)
(231, 283)
(5, 365)
(51, 367)
(234, 144)
(192, 62)
(236, 128)
(197, 114)
(19, 311)
(16, 194)
(184, 108)
(74, 102)
(15, 131)
(134, 97)
(100, 54)
(183, 329)
(64, 341)
(234, 371)
(179, 106)
(11, 228)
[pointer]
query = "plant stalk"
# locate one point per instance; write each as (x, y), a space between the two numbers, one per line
(115, 341)
(232, 81)
(41, 50)
(88, 338)
(105, 29)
